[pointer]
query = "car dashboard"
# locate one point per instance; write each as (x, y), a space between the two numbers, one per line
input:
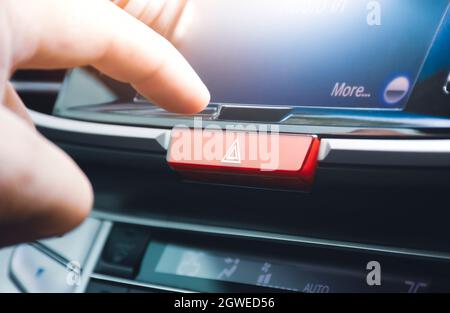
(361, 126)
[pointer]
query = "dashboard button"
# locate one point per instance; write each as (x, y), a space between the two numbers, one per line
(33, 271)
(244, 158)
(123, 251)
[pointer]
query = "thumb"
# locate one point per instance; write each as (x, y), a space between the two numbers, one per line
(42, 191)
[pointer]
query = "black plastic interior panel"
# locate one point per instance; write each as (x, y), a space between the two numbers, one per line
(404, 208)
(39, 76)
(38, 89)
(267, 115)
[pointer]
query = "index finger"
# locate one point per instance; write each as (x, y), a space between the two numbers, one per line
(60, 34)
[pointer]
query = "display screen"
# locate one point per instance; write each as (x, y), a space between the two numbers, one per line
(322, 53)
(190, 262)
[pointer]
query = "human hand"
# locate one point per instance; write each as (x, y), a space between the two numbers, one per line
(42, 191)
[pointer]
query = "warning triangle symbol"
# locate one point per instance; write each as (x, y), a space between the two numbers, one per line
(233, 154)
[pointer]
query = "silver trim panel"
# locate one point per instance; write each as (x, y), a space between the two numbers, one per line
(378, 152)
(37, 87)
(94, 255)
(135, 283)
(386, 152)
(159, 136)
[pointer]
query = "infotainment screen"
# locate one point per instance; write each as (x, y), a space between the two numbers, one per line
(337, 54)
(327, 53)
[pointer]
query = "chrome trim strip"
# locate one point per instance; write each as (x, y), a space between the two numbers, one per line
(50, 253)
(161, 136)
(387, 152)
(94, 255)
(253, 106)
(37, 87)
(235, 232)
(137, 283)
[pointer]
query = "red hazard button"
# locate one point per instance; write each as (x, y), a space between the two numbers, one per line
(244, 158)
